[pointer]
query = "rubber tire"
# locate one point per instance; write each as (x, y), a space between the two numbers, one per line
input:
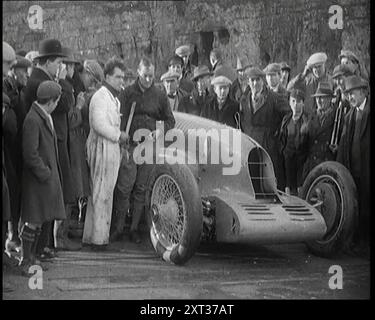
(194, 217)
(343, 238)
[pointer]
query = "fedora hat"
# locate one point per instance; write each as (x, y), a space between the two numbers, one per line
(200, 71)
(50, 48)
(354, 82)
(68, 56)
(324, 90)
(242, 63)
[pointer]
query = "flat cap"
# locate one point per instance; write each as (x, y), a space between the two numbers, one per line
(255, 72)
(183, 51)
(343, 70)
(6, 99)
(170, 75)
(272, 68)
(324, 90)
(175, 60)
(21, 62)
(48, 90)
(354, 82)
(221, 81)
(31, 55)
(242, 63)
(200, 71)
(9, 55)
(297, 93)
(93, 67)
(316, 58)
(348, 54)
(284, 66)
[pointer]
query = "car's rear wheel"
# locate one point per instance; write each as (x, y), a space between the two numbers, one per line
(331, 188)
(174, 212)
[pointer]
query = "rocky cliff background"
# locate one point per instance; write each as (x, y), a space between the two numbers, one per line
(265, 31)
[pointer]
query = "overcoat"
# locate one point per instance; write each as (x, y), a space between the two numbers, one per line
(344, 156)
(42, 197)
(264, 124)
(318, 141)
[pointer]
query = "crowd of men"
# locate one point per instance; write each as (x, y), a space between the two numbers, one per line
(68, 141)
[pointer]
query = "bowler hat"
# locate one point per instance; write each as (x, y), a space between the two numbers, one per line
(50, 48)
(324, 90)
(183, 51)
(284, 66)
(255, 72)
(354, 82)
(316, 58)
(242, 63)
(170, 75)
(9, 54)
(48, 90)
(69, 56)
(21, 62)
(221, 81)
(342, 70)
(201, 71)
(348, 54)
(272, 68)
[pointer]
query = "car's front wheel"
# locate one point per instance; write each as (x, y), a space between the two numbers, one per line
(331, 188)
(174, 211)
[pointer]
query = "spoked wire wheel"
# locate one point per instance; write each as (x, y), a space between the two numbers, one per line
(174, 209)
(168, 211)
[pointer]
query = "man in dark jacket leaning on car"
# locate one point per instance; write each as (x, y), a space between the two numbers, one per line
(151, 105)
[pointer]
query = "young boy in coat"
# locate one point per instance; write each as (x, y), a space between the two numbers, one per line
(42, 197)
(293, 135)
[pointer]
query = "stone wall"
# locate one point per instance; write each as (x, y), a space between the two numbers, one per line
(265, 31)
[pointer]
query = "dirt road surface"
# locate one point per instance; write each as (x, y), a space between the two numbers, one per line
(216, 271)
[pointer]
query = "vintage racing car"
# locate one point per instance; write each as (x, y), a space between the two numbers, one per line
(189, 202)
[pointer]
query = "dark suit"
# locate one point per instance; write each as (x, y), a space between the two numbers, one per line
(344, 156)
